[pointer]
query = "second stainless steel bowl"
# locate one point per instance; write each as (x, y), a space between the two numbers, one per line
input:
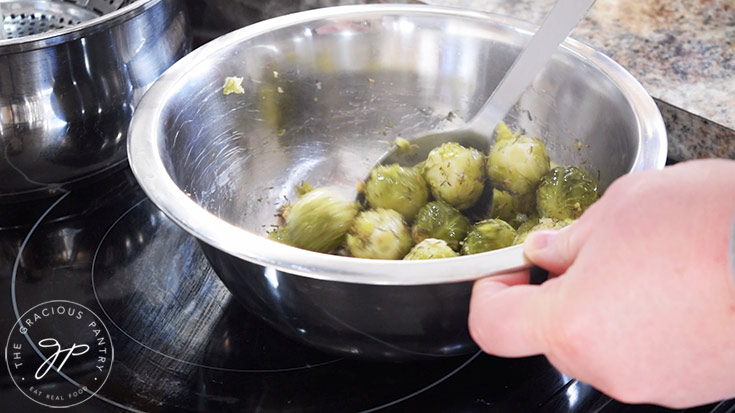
(70, 78)
(325, 93)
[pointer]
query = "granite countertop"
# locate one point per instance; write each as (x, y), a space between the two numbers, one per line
(683, 52)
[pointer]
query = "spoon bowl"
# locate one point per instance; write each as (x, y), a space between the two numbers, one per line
(560, 21)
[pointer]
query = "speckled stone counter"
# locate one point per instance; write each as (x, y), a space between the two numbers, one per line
(683, 52)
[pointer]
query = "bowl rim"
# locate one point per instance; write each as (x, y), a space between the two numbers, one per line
(146, 163)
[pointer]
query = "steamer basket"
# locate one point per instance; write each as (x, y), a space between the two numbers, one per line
(30, 17)
(71, 73)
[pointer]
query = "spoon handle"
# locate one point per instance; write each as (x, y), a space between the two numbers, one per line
(560, 21)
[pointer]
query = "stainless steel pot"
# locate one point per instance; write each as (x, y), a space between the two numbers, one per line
(325, 94)
(71, 73)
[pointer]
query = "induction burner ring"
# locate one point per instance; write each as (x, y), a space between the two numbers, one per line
(160, 353)
(13, 278)
(104, 242)
(426, 388)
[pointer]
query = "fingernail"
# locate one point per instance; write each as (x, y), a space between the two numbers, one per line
(539, 240)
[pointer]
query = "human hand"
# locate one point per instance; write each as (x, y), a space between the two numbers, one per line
(644, 307)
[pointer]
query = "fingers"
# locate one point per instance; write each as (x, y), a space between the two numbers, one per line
(508, 322)
(507, 280)
(513, 322)
(556, 250)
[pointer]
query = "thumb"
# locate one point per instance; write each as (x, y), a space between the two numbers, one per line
(511, 320)
(556, 250)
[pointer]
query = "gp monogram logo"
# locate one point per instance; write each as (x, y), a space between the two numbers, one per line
(59, 353)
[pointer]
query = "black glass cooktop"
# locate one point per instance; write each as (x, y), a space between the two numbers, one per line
(175, 339)
(181, 343)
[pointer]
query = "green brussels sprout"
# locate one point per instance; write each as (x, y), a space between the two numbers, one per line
(565, 192)
(488, 235)
(303, 188)
(404, 146)
(397, 188)
(280, 235)
(455, 174)
(539, 224)
(526, 227)
(430, 248)
(441, 221)
(503, 205)
(499, 204)
(317, 221)
(379, 234)
(483, 207)
(512, 208)
(520, 219)
(503, 132)
(525, 203)
(496, 203)
(517, 163)
(420, 167)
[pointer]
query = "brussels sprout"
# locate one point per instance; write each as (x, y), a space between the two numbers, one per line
(499, 204)
(565, 192)
(539, 224)
(441, 221)
(380, 234)
(397, 188)
(520, 219)
(509, 207)
(483, 207)
(419, 166)
(303, 188)
(504, 132)
(430, 248)
(318, 221)
(526, 227)
(405, 146)
(488, 235)
(525, 203)
(503, 207)
(456, 174)
(517, 164)
(280, 235)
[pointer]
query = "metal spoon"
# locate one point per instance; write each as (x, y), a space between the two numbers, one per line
(477, 133)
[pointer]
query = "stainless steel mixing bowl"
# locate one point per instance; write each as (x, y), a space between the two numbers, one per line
(325, 93)
(71, 73)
